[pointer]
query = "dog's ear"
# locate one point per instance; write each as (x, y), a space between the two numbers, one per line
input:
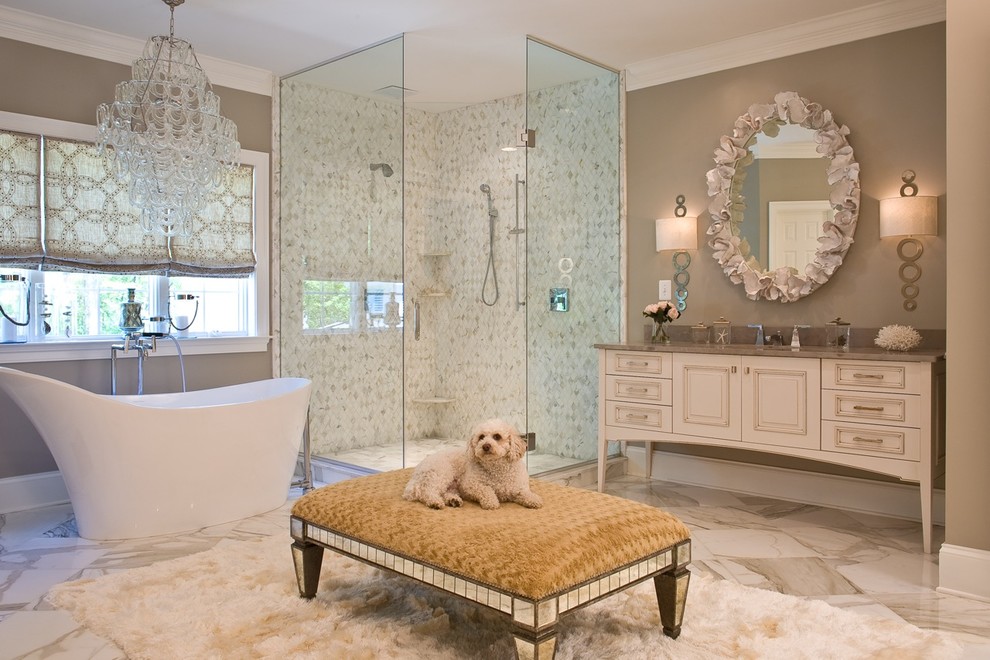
(517, 445)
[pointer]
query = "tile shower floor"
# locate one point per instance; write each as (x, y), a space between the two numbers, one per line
(864, 563)
(382, 458)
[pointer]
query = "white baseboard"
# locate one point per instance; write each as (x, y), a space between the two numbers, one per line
(863, 495)
(32, 491)
(964, 572)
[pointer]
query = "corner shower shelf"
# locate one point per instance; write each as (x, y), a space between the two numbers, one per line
(434, 254)
(436, 293)
(434, 400)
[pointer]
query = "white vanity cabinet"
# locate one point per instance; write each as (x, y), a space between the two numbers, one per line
(878, 414)
(707, 396)
(762, 400)
(638, 391)
(781, 402)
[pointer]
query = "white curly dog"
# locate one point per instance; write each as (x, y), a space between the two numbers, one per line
(489, 471)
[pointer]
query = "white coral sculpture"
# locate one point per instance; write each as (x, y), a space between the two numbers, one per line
(897, 338)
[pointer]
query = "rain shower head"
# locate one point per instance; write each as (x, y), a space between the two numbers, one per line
(384, 167)
(486, 189)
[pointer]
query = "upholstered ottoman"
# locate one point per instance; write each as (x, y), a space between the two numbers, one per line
(533, 565)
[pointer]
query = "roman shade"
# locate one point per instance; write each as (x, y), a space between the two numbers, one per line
(20, 200)
(88, 224)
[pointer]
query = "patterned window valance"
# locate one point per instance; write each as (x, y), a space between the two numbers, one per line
(90, 225)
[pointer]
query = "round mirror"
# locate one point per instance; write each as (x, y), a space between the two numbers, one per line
(784, 199)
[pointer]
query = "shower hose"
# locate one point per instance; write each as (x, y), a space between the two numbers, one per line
(490, 270)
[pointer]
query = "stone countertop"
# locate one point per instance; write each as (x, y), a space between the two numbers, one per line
(855, 353)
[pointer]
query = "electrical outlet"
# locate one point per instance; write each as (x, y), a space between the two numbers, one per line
(664, 289)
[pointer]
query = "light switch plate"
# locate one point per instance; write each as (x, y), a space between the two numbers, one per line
(664, 289)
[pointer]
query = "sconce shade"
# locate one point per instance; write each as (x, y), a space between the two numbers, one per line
(907, 216)
(677, 234)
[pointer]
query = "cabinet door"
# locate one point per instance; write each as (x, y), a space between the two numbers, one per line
(706, 395)
(781, 401)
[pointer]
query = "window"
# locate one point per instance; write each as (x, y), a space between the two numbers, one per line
(81, 305)
(331, 306)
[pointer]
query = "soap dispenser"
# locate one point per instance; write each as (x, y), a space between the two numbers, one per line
(796, 337)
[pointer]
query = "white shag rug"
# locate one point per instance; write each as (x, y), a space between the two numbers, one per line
(239, 600)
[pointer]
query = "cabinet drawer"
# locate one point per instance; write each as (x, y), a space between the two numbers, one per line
(645, 363)
(842, 405)
(630, 388)
(873, 440)
(637, 416)
(889, 376)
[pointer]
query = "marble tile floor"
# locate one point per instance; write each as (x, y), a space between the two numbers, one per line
(382, 458)
(864, 563)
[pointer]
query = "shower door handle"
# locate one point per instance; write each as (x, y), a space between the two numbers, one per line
(416, 320)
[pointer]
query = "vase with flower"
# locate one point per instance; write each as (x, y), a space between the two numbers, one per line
(662, 312)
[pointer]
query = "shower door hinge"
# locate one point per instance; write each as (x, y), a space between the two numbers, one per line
(530, 442)
(527, 138)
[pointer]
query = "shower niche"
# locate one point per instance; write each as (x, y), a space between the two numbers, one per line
(447, 202)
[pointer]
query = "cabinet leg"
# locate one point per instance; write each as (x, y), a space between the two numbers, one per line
(926, 513)
(648, 446)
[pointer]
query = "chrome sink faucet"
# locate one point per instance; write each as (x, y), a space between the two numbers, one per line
(759, 332)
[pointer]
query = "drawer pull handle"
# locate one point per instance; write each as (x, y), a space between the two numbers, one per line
(630, 363)
(875, 441)
(873, 376)
(637, 389)
(630, 416)
(869, 408)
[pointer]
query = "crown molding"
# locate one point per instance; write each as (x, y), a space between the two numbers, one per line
(90, 42)
(861, 23)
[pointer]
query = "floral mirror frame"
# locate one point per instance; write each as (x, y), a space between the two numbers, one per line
(726, 205)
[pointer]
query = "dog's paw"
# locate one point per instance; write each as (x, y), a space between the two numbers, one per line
(530, 500)
(454, 500)
(489, 504)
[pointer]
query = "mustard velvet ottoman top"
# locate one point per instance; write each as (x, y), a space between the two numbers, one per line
(576, 536)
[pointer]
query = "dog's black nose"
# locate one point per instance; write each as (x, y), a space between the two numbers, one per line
(486, 447)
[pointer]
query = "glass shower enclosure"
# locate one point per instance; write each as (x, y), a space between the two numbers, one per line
(443, 259)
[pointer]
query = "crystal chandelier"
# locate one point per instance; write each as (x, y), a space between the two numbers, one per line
(168, 138)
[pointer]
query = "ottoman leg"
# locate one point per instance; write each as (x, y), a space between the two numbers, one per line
(308, 560)
(530, 646)
(672, 588)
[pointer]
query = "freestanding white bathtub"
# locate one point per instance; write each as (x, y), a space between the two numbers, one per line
(144, 465)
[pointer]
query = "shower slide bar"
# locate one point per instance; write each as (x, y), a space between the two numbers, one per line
(518, 232)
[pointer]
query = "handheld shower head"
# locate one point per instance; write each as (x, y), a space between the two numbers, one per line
(492, 211)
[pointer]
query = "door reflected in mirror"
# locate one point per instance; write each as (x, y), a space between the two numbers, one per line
(791, 158)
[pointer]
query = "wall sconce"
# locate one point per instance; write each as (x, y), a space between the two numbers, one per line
(909, 215)
(680, 234)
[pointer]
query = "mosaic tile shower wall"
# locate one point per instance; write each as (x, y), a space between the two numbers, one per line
(476, 355)
(341, 222)
(470, 355)
(573, 244)
(470, 360)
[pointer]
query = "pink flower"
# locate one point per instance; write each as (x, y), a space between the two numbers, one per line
(661, 312)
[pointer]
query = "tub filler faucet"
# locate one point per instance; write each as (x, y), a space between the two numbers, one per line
(143, 346)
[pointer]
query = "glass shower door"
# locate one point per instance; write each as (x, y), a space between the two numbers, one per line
(573, 293)
(341, 298)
